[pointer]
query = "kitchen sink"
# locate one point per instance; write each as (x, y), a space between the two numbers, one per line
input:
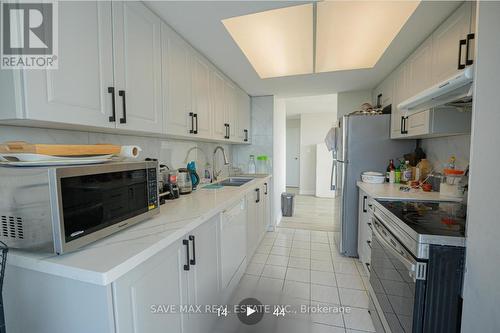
(235, 181)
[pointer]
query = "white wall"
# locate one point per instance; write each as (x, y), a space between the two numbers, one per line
(171, 152)
(279, 149)
(351, 101)
(313, 129)
(481, 289)
(439, 150)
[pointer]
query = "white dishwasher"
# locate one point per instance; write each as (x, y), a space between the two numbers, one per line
(233, 240)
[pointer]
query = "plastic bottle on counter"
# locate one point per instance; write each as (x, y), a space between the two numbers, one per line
(262, 164)
(406, 173)
(397, 175)
(252, 168)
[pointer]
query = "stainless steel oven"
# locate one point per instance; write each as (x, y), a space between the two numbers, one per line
(397, 279)
(59, 209)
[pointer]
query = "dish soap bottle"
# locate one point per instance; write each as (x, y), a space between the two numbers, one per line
(252, 168)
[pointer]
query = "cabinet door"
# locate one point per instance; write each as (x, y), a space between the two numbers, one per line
(420, 68)
(252, 223)
(201, 97)
(218, 105)
(266, 198)
(400, 88)
(176, 83)
(243, 110)
(446, 44)
(419, 123)
(77, 92)
(364, 231)
(203, 276)
(230, 100)
(137, 61)
(139, 295)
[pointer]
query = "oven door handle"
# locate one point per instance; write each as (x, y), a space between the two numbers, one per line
(410, 265)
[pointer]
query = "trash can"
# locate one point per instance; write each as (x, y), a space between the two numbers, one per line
(287, 204)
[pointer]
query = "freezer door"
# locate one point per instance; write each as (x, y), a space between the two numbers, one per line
(339, 202)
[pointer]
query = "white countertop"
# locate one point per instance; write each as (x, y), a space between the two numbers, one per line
(392, 191)
(106, 260)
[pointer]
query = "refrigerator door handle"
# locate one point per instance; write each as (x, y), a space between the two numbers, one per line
(333, 176)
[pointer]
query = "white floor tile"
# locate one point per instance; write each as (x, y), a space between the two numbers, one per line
(303, 263)
(297, 274)
(283, 242)
(276, 272)
(267, 241)
(259, 258)
(266, 284)
(254, 268)
(325, 294)
(297, 289)
(301, 244)
(322, 265)
(321, 328)
(358, 319)
(349, 281)
(323, 278)
(320, 246)
(301, 253)
(320, 255)
(354, 298)
(248, 282)
(280, 251)
(330, 315)
(302, 237)
(345, 267)
(277, 260)
(264, 249)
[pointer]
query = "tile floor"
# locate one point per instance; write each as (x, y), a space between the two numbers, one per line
(303, 268)
(311, 213)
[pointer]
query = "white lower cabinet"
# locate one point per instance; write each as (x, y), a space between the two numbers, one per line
(364, 230)
(158, 282)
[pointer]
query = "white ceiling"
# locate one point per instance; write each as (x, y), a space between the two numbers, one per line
(295, 106)
(199, 22)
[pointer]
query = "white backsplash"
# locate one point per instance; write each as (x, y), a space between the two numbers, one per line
(439, 150)
(168, 151)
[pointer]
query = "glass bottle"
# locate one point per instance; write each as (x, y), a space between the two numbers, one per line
(252, 168)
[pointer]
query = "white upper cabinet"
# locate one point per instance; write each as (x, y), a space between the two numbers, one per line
(230, 109)
(201, 97)
(177, 92)
(218, 106)
(400, 93)
(77, 92)
(137, 61)
(243, 112)
(451, 41)
(419, 68)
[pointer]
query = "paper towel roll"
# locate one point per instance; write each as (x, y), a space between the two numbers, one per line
(130, 151)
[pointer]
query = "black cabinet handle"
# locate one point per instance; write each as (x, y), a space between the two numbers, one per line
(364, 204)
(369, 225)
(185, 242)
(191, 131)
(123, 120)
(461, 43)
(402, 125)
(246, 135)
(193, 261)
(265, 184)
(368, 267)
(379, 100)
(111, 90)
(369, 243)
(468, 61)
(196, 123)
(228, 131)
(258, 195)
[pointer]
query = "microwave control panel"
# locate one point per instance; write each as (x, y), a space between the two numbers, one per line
(152, 189)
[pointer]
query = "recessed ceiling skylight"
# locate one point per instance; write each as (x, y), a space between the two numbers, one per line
(277, 42)
(355, 34)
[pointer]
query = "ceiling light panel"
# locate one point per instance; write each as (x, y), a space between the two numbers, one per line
(277, 42)
(355, 34)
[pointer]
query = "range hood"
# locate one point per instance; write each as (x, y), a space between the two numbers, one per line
(456, 91)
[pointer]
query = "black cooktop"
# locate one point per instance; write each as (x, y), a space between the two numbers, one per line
(430, 218)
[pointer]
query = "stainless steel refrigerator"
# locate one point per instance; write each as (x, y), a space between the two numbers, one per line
(359, 143)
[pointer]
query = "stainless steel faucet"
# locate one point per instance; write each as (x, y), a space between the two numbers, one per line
(216, 173)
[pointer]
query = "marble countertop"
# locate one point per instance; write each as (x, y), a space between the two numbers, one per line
(392, 191)
(106, 260)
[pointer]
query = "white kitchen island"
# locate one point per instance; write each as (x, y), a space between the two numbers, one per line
(118, 284)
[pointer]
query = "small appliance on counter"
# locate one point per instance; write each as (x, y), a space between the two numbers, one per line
(184, 181)
(60, 209)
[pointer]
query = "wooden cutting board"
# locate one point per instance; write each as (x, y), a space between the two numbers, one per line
(20, 147)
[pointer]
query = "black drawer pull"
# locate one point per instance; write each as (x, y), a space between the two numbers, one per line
(123, 120)
(196, 123)
(246, 135)
(265, 184)
(364, 204)
(186, 243)
(461, 43)
(468, 61)
(258, 195)
(112, 118)
(193, 261)
(191, 131)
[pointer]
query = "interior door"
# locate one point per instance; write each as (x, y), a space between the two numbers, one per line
(159, 281)
(137, 58)
(293, 156)
(77, 92)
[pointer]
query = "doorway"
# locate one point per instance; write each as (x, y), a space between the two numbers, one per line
(293, 153)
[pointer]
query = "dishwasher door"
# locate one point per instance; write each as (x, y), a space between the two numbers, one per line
(233, 241)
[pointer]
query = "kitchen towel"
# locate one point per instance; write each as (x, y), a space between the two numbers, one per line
(130, 151)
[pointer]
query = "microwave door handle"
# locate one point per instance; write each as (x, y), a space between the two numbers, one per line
(411, 266)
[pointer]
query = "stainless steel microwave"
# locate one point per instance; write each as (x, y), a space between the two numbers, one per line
(60, 209)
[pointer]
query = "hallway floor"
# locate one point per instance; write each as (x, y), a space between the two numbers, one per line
(303, 268)
(311, 213)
